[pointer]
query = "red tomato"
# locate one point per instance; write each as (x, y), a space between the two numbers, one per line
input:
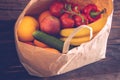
(76, 9)
(56, 8)
(80, 20)
(67, 21)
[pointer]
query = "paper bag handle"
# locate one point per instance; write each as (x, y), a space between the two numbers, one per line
(67, 41)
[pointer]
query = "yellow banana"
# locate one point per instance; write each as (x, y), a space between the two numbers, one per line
(77, 41)
(96, 26)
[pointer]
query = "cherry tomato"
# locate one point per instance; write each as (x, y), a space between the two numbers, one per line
(80, 20)
(56, 8)
(76, 8)
(67, 21)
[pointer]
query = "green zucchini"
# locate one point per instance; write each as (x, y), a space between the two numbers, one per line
(49, 40)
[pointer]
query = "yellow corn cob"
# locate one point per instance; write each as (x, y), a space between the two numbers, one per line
(96, 26)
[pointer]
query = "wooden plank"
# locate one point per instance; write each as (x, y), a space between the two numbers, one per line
(115, 41)
(9, 11)
(114, 33)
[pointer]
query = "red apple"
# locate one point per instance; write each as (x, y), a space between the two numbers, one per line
(49, 24)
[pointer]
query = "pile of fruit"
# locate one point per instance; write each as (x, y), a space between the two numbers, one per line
(55, 24)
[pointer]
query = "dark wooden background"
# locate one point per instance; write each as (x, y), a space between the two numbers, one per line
(11, 68)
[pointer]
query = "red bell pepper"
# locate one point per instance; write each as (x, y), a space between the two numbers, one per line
(92, 12)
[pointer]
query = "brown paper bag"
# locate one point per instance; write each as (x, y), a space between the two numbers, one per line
(39, 62)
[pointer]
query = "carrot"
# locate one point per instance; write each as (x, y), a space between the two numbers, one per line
(40, 44)
(29, 42)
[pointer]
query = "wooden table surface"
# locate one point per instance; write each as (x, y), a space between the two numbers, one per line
(11, 68)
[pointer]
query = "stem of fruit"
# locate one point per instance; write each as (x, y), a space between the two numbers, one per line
(73, 13)
(94, 14)
(69, 10)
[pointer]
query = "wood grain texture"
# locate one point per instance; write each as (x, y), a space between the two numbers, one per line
(11, 9)
(12, 69)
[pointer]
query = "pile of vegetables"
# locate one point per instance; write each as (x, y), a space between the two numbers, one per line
(55, 24)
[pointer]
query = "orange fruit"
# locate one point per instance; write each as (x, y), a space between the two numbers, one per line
(39, 44)
(26, 27)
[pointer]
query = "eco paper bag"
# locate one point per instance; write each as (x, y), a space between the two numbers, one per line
(39, 62)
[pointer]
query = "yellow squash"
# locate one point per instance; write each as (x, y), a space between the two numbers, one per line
(96, 26)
